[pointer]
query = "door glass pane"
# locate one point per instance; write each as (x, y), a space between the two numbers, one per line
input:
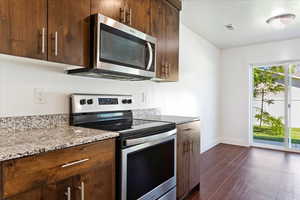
(120, 48)
(148, 168)
(295, 106)
(269, 105)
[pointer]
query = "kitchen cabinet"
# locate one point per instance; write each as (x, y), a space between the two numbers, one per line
(176, 3)
(110, 8)
(59, 190)
(138, 14)
(68, 40)
(59, 30)
(95, 188)
(165, 27)
(23, 25)
(134, 13)
(188, 158)
(34, 194)
(87, 170)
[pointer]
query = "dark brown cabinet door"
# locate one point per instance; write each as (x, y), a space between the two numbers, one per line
(183, 160)
(60, 190)
(68, 40)
(172, 42)
(35, 194)
(138, 14)
(110, 8)
(194, 179)
(96, 184)
(23, 28)
(158, 31)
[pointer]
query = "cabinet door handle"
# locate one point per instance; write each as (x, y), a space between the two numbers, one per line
(43, 40)
(81, 188)
(75, 163)
(68, 193)
(56, 43)
(192, 149)
(130, 16)
(123, 15)
(183, 149)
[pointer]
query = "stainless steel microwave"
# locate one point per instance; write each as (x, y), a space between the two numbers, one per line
(119, 51)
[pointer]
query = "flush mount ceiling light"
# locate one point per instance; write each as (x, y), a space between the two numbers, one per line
(281, 21)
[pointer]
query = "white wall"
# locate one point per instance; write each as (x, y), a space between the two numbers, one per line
(195, 94)
(234, 84)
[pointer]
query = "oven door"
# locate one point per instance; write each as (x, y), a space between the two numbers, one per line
(149, 169)
(122, 49)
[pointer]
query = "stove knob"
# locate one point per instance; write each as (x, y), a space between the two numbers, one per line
(82, 101)
(90, 101)
(129, 101)
(124, 101)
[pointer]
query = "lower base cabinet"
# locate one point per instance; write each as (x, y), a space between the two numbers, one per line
(188, 158)
(85, 172)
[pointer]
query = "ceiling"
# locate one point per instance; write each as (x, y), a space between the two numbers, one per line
(208, 17)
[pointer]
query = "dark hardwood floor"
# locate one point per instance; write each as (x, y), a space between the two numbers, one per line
(239, 173)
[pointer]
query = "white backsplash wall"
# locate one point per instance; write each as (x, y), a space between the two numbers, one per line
(20, 77)
(196, 93)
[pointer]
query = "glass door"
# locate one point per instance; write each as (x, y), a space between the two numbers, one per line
(269, 114)
(276, 106)
(294, 106)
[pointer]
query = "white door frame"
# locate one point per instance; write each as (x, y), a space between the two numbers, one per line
(287, 146)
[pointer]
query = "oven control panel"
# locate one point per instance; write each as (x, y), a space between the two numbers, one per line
(81, 103)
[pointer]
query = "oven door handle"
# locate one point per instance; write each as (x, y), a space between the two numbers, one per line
(150, 56)
(151, 138)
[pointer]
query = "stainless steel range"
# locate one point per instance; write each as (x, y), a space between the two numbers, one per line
(146, 150)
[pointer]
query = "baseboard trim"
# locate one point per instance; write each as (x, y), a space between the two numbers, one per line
(234, 142)
(209, 146)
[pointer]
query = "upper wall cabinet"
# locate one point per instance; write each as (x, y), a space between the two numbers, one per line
(23, 28)
(165, 27)
(110, 8)
(134, 13)
(68, 39)
(59, 30)
(138, 14)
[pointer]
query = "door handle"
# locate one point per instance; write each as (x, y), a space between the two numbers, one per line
(43, 40)
(55, 38)
(130, 16)
(81, 188)
(123, 15)
(68, 193)
(75, 163)
(150, 55)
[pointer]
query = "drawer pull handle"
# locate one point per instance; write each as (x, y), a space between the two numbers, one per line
(75, 163)
(68, 193)
(187, 129)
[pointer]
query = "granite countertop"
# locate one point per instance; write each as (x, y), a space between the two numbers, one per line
(171, 118)
(17, 145)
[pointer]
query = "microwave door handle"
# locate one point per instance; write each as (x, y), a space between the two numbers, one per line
(150, 55)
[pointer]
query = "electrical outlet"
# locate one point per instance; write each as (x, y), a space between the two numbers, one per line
(144, 97)
(39, 96)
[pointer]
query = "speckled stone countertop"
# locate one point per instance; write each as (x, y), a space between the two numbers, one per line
(171, 118)
(31, 142)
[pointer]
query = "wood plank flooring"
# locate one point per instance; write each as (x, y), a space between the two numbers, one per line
(238, 173)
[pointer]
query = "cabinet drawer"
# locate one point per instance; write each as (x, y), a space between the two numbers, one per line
(23, 174)
(191, 127)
